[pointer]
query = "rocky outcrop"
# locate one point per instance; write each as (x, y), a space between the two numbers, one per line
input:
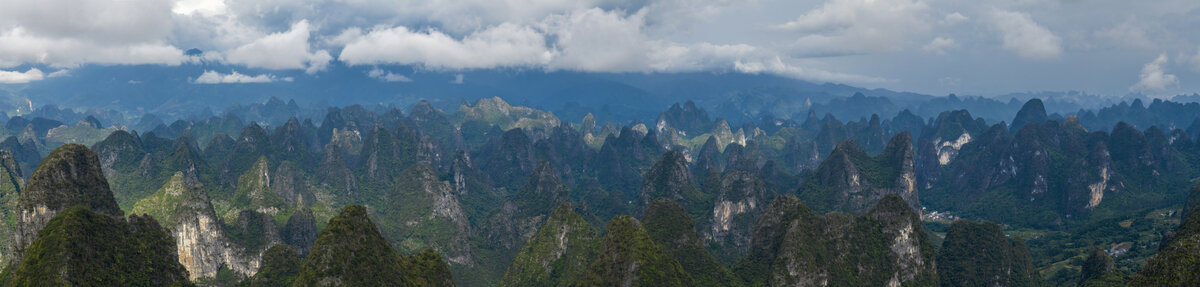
(300, 231)
(11, 183)
(671, 228)
(557, 255)
(851, 181)
(80, 247)
(350, 251)
(670, 178)
(629, 257)
(429, 216)
(886, 246)
(201, 242)
(1033, 112)
(741, 198)
(69, 176)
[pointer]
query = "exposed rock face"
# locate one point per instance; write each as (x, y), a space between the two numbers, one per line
(629, 257)
(741, 199)
(520, 216)
(254, 191)
(684, 120)
(351, 252)
(79, 247)
(69, 176)
(979, 254)
(422, 202)
(557, 255)
(669, 225)
(289, 185)
(886, 246)
(851, 181)
(201, 241)
(11, 183)
(281, 264)
(300, 231)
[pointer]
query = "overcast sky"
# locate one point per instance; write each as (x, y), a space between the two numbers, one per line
(974, 47)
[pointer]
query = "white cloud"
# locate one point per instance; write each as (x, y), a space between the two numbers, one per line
(18, 46)
(843, 27)
(1021, 35)
(954, 18)
(778, 67)
(506, 45)
(939, 45)
(1154, 76)
(14, 77)
(59, 73)
(387, 76)
(279, 51)
(458, 79)
(214, 77)
(598, 40)
(203, 7)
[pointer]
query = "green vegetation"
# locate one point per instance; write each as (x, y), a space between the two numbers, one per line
(1177, 263)
(670, 227)
(628, 257)
(80, 247)
(557, 255)
(280, 265)
(350, 251)
(979, 254)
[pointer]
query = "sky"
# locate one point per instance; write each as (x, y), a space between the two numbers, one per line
(969, 47)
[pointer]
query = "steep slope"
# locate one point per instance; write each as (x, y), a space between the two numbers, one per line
(423, 212)
(69, 176)
(81, 247)
(351, 252)
(886, 246)
(11, 183)
(979, 254)
(671, 228)
(741, 198)
(557, 255)
(1100, 271)
(628, 257)
(183, 207)
(671, 178)
(1176, 263)
(280, 266)
(851, 181)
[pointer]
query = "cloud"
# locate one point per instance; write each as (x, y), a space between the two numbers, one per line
(939, 45)
(458, 79)
(778, 67)
(1130, 33)
(598, 40)
(1154, 77)
(17, 47)
(843, 27)
(281, 51)
(506, 45)
(954, 18)
(387, 76)
(1021, 35)
(14, 77)
(214, 77)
